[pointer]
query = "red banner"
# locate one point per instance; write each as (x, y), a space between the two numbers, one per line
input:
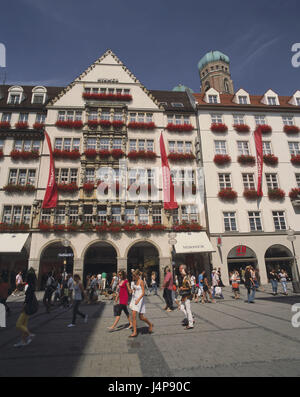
(50, 199)
(168, 187)
(259, 156)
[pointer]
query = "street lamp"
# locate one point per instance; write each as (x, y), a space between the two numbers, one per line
(172, 241)
(296, 284)
(66, 243)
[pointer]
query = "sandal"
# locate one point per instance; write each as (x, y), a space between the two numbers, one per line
(151, 331)
(132, 336)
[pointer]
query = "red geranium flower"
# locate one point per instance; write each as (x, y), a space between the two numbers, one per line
(270, 159)
(246, 159)
(241, 127)
(227, 194)
(218, 127)
(179, 127)
(294, 193)
(221, 159)
(291, 129)
(276, 194)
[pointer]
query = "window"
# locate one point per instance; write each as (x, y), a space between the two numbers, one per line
(172, 146)
(242, 100)
(6, 117)
(73, 214)
(272, 181)
(117, 143)
(298, 180)
(175, 217)
(40, 118)
(243, 148)
(59, 216)
(143, 215)
(184, 214)
(248, 181)
(91, 143)
(224, 181)
(220, 147)
(132, 145)
(177, 105)
(101, 215)
(272, 100)
(238, 119)
(67, 144)
(66, 175)
(89, 174)
(93, 115)
(260, 120)
(116, 214)
(69, 115)
(178, 119)
(212, 98)
(26, 215)
(38, 98)
(267, 149)
(118, 116)
(46, 215)
(129, 215)
(16, 214)
(14, 99)
(6, 216)
(216, 118)
(298, 101)
(1, 144)
(105, 115)
(279, 220)
(156, 215)
(288, 120)
(88, 214)
(104, 144)
(294, 148)
(255, 221)
(132, 117)
(23, 118)
(21, 177)
(229, 222)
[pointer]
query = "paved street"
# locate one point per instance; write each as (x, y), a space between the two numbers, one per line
(230, 338)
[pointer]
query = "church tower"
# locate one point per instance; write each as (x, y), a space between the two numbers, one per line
(214, 72)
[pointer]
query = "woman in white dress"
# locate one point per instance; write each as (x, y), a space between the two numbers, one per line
(137, 304)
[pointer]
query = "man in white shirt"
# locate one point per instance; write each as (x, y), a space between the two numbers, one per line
(19, 284)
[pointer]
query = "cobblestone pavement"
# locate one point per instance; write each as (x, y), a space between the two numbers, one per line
(230, 338)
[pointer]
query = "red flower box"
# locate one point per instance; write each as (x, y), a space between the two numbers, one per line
(21, 125)
(115, 228)
(72, 154)
(103, 228)
(117, 153)
(87, 227)
(265, 129)
(227, 194)
(129, 227)
(58, 228)
(142, 154)
(45, 227)
(295, 159)
(14, 188)
(13, 227)
(157, 227)
(141, 227)
(246, 159)
(241, 127)
(105, 123)
(93, 123)
(179, 127)
(218, 127)
(72, 227)
(294, 193)
(251, 194)
(17, 154)
(187, 227)
(221, 159)
(88, 187)
(107, 97)
(38, 126)
(291, 129)
(77, 124)
(117, 124)
(270, 159)
(104, 153)
(67, 187)
(181, 156)
(276, 194)
(4, 125)
(141, 126)
(90, 153)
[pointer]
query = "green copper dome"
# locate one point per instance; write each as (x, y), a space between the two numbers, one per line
(212, 56)
(182, 88)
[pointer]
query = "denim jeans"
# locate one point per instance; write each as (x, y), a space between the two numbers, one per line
(283, 283)
(274, 286)
(214, 292)
(251, 295)
(185, 307)
(153, 286)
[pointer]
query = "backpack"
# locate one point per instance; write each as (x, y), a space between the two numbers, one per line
(32, 307)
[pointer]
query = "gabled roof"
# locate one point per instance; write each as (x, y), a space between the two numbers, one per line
(92, 66)
(26, 103)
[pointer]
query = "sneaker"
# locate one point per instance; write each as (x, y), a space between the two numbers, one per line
(20, 344)
(71, 325)
(85, 319)
(29, 340)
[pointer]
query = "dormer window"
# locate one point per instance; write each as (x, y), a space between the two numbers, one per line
(212, 98)
(38, 95)
(298, 101)
(242, 100)
(14, 99)
(177, 105)
(272, 100)
(38, 98)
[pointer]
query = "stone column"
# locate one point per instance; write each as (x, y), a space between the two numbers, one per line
(78, 267)
(261, 265)
(122, 264)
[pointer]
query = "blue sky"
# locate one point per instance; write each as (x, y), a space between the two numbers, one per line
(161, 41)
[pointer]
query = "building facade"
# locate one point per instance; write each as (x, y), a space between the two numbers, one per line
(105, 130)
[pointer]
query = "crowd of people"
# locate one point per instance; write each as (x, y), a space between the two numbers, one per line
(179, 291)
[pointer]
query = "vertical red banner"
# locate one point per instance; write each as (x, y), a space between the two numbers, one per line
(50, 199)
(168, 187)
(259, 156)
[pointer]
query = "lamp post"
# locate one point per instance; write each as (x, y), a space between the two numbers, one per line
(172, 241)
(66, 243)
(296, 284)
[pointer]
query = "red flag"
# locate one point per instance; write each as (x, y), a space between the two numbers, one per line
(259, 156)
(50, 199)
(168, 187)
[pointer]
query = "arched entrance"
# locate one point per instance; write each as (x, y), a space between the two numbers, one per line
(280, 257)
(13, 263)
(100, 257)
(145, 257)
(57, 259)
(239, 257)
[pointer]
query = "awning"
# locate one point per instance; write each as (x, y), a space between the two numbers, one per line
(193, 242)
(12, 242)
